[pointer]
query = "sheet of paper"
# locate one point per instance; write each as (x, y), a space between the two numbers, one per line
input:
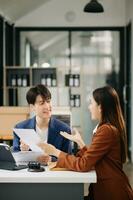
(29, 137)
(23, 157)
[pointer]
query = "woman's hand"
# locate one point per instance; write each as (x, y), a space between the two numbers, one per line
(52, 165)
(23, 146)
(49, 149)
(75, 137)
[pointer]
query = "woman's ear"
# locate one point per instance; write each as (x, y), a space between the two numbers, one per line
(99, 109)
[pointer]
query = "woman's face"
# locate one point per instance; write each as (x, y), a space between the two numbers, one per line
(94, 109)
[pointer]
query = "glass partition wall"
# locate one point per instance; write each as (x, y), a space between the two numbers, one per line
(72, 64)
(95, 56)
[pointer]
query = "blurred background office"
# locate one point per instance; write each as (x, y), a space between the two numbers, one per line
(56, 43)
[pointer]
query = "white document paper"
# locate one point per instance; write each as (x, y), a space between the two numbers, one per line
(29, 137)
(23, 157)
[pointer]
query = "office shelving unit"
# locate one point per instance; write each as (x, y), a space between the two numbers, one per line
(16, 78)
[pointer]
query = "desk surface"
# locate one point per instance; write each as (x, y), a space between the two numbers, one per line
(23, 176)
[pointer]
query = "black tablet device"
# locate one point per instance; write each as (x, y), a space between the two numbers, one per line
(7, 160)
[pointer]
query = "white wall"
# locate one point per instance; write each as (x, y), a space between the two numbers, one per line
(70, 13)
(129, 10)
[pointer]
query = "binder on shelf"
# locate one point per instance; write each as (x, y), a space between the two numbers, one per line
(45, 76)
(13, 97)
(72, 80)
(75, 100)
(17, 77)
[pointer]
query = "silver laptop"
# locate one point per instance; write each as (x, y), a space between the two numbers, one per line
(7, 160)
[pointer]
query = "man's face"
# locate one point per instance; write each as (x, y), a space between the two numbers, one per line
(42, 107)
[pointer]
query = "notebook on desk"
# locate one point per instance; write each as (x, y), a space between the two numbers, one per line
(7, 160)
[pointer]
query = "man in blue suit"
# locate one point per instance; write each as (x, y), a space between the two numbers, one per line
(47, 127)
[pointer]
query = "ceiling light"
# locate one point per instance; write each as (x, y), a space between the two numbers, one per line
(93, 7)
(45, 65)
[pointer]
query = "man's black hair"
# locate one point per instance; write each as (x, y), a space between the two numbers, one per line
(33, 92)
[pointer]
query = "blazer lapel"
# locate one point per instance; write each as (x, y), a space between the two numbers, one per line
(51, 131)
(32, 123)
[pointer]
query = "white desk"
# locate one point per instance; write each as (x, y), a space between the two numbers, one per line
(47, 185)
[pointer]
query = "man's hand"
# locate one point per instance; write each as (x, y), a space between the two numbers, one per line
(23, 146)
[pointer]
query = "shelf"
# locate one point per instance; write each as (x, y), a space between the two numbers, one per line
(17, 81)
(44, 76)
(16, 87)
(16, 67)
(17, 77)
(72, 80)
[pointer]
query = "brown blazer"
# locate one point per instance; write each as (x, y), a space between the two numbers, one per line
(104, 154)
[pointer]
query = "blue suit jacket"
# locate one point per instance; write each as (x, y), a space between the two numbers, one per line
(54, 138)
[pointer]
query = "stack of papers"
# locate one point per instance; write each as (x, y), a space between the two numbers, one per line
(31, 138)
(24, 157)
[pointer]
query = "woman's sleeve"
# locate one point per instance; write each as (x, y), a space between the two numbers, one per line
(87, 157)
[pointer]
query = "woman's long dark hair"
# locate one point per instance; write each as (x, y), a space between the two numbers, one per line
(108, 99)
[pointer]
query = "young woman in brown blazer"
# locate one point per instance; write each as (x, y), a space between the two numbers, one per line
(106, 153)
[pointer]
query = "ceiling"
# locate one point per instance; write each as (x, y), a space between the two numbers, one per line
(48, 43)
(13, 10)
